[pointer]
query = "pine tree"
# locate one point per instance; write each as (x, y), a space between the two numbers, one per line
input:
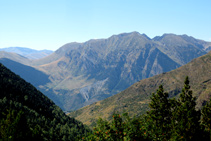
(185, 120)
(158, 118)
(206, 118)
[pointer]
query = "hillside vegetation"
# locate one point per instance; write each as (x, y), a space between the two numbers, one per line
(167, 119)
(135, 100)
(25, 113)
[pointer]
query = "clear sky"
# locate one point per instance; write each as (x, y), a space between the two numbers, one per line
(49, 24)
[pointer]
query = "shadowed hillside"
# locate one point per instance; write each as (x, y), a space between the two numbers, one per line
(28, 73)
(14, 57)
(35, 77)
(25, 113)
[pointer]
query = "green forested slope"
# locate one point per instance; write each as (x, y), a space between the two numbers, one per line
(168, 119)
(25, 113)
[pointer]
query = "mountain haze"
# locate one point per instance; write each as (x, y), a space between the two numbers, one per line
(14, 57)
(83, 73)
(27, 52)
(136, 98)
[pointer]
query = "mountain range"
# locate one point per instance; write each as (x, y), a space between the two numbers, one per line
(83, 73)
(79, 74)
(27, 52)
(135, 99)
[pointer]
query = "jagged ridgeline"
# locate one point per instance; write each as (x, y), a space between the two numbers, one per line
(25, 113)
(135, 99)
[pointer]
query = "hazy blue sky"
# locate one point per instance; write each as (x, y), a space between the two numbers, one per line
(49, 24)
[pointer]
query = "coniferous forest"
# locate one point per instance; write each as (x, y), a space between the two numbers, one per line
(25, 113)
(168, 119)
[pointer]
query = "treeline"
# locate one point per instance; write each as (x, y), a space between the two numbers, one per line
(26, 114)
(168, 119)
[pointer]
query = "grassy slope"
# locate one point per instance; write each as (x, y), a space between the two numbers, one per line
(135, 99)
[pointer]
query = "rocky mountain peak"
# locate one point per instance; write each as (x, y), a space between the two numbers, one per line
(77, 70)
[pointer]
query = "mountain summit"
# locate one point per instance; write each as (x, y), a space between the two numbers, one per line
(83, 73)
(135, 99)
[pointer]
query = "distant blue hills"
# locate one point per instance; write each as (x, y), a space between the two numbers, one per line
(27, 52)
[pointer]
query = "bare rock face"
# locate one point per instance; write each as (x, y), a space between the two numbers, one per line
(83, 73)
(135, 99)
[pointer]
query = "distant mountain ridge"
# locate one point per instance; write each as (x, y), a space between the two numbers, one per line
(79, 74)
(136, 98)
(83, 73)
(27, 52)
(14, 57)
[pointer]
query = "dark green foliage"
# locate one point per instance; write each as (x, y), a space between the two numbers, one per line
(206, 118)
(25, 113)
(159, 116)
(185, 117)
(168, 119)
(9, 128)
(121, 128)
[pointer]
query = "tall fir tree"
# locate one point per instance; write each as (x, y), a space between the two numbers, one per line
(185, 119)
(206, 118)
(158, 118)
